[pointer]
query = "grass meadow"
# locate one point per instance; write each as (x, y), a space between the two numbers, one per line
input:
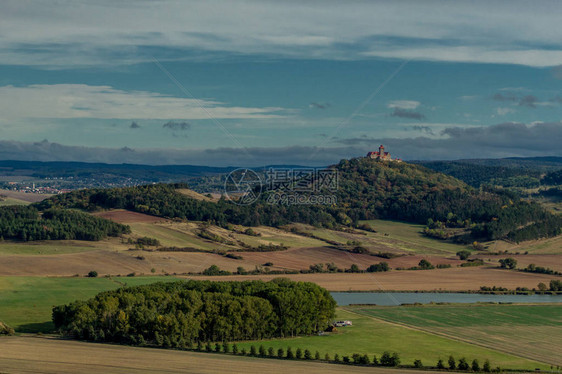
(26, 302)
(533, 331)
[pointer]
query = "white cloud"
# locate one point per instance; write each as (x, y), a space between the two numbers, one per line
(403, 104)
(104, 102)
(475, 54)
(107, 32)
(502, 111)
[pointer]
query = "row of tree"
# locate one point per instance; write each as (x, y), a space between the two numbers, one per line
(179, 313)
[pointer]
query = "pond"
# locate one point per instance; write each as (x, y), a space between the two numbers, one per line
(397, 298)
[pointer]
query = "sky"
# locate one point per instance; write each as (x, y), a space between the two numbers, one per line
(250, 83)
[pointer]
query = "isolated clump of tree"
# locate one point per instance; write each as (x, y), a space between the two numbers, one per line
(26, 223)
(464, 254)
(180, 314)
(508, 263)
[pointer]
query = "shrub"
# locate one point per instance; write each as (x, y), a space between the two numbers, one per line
(418, 364)
(556, 285)
(487, 368)
(298, 354)
(336, 358)
(244, 352)
(327, 357)
(290, 353)
(262, 351)
(475, 365)
(317, 355)
(234, 349)
(271, 352)
(6, 330)
(226, 348)
(375, 360)
(452, 363)
(508, 263)
(464, 254)
(280, 353)
(209, 348)
(440, 365)
(382, 266)
(395, 360)
(425, 265)
(253, 351)
(390, 360)
(307, 355)
(463, 365)
(218, 348)
(93, 274)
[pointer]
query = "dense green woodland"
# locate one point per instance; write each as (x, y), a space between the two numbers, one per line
(367, 189)
(477, 175)
(553, 178)
(27, 223)
(179, 314)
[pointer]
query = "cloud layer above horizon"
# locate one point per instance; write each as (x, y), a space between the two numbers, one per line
(107, 32)
(502, 140)
(226, 82)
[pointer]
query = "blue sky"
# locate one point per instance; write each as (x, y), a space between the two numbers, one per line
(253, 83)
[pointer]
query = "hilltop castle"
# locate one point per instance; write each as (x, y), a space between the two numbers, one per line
(381, 155)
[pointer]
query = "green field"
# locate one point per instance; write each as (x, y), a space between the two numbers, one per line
(12, 201)
(533, 331)
(392, 236)
(373, 337)
(26, 302)
(409, 237)
(54, 247)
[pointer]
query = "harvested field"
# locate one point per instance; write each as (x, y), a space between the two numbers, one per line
(194, 195)
(302, 258)
(29, 354)
(25, 196)
(111, 263)
(542, 246)
(81, 257)
(553, 262)
(126, 216)
(454, 279)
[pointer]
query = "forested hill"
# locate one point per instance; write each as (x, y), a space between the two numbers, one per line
(510, 172)
(367, 189)
(402, 191)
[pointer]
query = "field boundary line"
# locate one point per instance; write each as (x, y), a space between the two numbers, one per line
(444, 335)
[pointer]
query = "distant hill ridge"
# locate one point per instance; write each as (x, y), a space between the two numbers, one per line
(367, 189)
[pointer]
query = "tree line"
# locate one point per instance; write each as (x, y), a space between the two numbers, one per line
(27, 223)
(183, 313)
